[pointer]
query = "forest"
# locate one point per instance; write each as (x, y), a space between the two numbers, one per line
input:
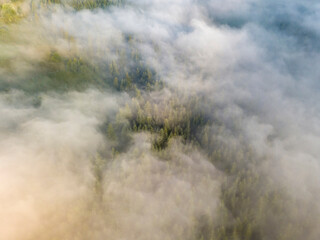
(147, 120)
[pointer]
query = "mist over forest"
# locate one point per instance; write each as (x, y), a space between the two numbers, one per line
(159, 120)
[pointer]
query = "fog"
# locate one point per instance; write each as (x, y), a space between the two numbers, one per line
(251, 65)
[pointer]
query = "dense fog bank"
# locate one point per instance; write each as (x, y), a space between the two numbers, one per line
(159, 119)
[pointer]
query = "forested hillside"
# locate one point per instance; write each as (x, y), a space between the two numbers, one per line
(149, 120)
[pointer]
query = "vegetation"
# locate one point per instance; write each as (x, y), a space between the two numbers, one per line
(10, 13)
(83, 4)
